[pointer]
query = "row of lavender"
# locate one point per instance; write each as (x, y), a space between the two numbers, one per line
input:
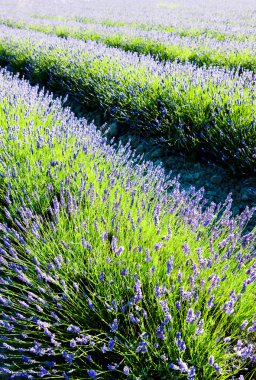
(214, 17)
(209, 112)
(104, 275)
(163, 45)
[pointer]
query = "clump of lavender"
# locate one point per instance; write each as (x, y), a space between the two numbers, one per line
(200, 110)
(89, 284)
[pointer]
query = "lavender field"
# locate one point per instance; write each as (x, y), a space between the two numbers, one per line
(127, 128)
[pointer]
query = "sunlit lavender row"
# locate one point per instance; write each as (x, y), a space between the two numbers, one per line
(233, 17)
(209, 112)
(201, 50)
(103, 273)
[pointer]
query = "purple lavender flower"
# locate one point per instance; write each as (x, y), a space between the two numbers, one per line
(200, 328)
(190, 316)
(158, 246)
(73, 329)
(50, 364)
(112, 367)
(124, 272)
(160, 332)
(179, 276)
(138, 292)
(217, 367)
(148, 257)
(90, 304)
(126, 370)
(210, 303)
(169, 265)
(243, 325)
(191, 373)
(114, 326)
(180, 343)
(252, 328)
(211, 360)
(183, 366)
(134, 319)
(72, 343)
(186, 248)
(92, 373)
(68, 357)
(111, 344)
(142, 347)
(229, 306)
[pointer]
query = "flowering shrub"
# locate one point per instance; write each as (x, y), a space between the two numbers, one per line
(103, 273)
(209, 112)
(159, 43)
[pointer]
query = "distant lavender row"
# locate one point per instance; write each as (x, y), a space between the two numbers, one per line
(222, 30)
(227, 17)
(103, 275)
(208, 111)
(163, 45)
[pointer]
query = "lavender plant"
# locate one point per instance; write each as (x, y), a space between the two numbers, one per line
(160, 44)
(234, 19)
(208, 112)
(105, 275)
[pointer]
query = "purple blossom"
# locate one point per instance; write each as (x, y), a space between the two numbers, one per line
(190, 316)
(142, 347)
(211, 360)
(134, 319)
(200, 328)
(73, 329)
(72, 343)
(191, 373)
(183, 366)
(160, 332)
(111, 344)
(114, 326)
(186, 248)
(112, 367)
(210, 303)
(124, 272)
(126, 370)
(243, 325)
(69, 357)
(92, 373)
(138, 292)
(170, 265)
(180, 343)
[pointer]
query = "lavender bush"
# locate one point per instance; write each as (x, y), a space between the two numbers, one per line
(215, 18)
(103, 274)
(201, 50)
(208, 112)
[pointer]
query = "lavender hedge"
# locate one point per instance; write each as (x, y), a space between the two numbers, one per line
(201, 50)
(233, 19)
(108, 269)
(205, 112)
